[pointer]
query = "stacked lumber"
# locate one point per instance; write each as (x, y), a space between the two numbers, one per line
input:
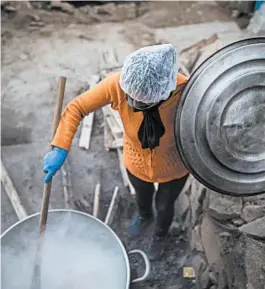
(113, 126)
(113, 139)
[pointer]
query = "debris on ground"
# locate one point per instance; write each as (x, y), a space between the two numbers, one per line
(44, 39)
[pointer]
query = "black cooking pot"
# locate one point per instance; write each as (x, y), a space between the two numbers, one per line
(220, 123)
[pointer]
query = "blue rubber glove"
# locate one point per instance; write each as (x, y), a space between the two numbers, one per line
(53, 161)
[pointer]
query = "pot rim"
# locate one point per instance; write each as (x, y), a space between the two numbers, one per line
(87, 215)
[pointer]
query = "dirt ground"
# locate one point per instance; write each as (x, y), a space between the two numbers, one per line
(41, 42)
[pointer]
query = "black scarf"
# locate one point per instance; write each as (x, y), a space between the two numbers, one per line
(151, 129)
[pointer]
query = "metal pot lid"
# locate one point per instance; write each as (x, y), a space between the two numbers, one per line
(220, 124)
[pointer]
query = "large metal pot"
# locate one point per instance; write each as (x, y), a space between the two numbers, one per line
(79, 251)
(220, 124)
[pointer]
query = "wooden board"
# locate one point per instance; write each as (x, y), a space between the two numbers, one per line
(87, 123)
(112, 207)
(124, 174)
(67, 185)
(84, 141)
(96, 200)
(108, 137)
(117, 118)
(12, 194)
(122, 169)
(116, 130)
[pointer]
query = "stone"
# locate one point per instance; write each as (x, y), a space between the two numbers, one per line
(197, 195)
(224, 207)
(10, 8)
(23, 56)
(65, 7)
(222, 280)
(252, 212)
(35, 17)
(175, 229)
(255, 229)
(206, 201)
(255, 200)
(250, 286)
(204, 280)
(235, 13)
(210, 242)
(199, 264)
(196, 242)
(197, 189)
(185, 221)
(238, 222)
(182, 205)
(225, 234)
(254, 261)
(213, 278)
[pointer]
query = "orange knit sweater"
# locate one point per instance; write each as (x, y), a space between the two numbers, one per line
(163, 164)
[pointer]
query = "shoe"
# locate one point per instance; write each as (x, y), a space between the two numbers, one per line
(138, 224)
(156, 248)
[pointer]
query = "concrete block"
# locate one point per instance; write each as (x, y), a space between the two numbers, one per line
(252, 212)
(255, 229)
(224, 207)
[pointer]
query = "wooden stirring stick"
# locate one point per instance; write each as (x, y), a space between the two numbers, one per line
(36, 279)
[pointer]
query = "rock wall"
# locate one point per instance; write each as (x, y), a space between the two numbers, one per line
(227, 237)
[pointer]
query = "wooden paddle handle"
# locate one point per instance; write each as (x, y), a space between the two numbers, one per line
(47, 186)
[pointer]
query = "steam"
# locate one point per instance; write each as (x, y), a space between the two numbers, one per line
(74, 255)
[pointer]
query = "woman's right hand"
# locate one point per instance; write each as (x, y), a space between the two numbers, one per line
(53, 161)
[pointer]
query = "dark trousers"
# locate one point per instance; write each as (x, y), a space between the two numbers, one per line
(165, 198)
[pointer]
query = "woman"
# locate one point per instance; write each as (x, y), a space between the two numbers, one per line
(146, 93)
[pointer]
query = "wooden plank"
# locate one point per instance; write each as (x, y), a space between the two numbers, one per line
(87, 123)
(115, 130)
(112, 207)
(109, 141)
(96, 200)
(117, 118)
(131, 189)
(117, 143)
(108, 111)
(122, 169)
(84, 141)
(12, 194)
(97, 195)
(67, 185)
(124, 174)
(108, 137)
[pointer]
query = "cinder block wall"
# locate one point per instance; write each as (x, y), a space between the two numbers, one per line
(227, 237)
